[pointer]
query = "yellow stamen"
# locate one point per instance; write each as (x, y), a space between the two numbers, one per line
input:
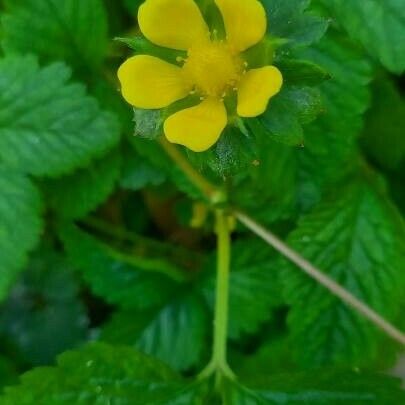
(212, 68)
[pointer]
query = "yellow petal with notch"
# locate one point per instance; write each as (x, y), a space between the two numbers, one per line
(245, 22)
(256, 88)
(175, 24)
(198, 128)
(150, 83)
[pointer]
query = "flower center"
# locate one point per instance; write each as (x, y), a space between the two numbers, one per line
(213, 69)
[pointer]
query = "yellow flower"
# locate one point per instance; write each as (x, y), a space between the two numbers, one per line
(214, 69)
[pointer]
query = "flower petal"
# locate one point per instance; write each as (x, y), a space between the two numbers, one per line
(256, 88)
(245, 22)
(175, 24)
(149, 82)
(198, 128)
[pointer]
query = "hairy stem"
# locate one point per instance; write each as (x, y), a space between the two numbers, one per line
(363, 309)
(321, 278)
(222, 292)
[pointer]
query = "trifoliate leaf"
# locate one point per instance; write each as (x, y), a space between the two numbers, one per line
(323, 387)
(43, 315)
(132, 282)
(254, 287)
(20, 224)
(72, 30)
(383, 135)
(49, 129)
(74, 196)
(290, 20)
(357, 238)
(378, 25)
(174, 333)
(103, 374)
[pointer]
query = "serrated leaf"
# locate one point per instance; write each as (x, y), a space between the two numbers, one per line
(136, 282)
(231, 155)
(287, 112)
(323, 387)
(49, 129)
(20, 224)
(43, 315)
(302, 72)
(174, 333)
(74, 196)
(271, 197)
(72, 30)
(254, 287)
(103, 374)
(357, 238)
(378, 25)
(290, 20)
(330, 141)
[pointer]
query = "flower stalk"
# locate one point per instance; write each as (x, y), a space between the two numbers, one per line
(219, 364)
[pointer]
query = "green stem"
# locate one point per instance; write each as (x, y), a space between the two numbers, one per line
(219, 364)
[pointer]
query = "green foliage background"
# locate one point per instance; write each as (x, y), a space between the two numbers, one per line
(98, 258)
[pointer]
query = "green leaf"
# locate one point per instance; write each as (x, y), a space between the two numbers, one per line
(142, 46)
(287, 112)
(302, 72)
(49, 129)
(8, 373)
(378, 25)
(273, 356)
(20, 225)
(290, 20)
(132, 5)
(254, 287)
(323, 387)
(74, 196)
(72, 30)
(231, 155)
(132, 282)
(272, 197)
(43, 315)
(138, 173)
(383, 135)
(175, 333)
(330, 142)
(358, 239)
(153, 153)
(102, 374)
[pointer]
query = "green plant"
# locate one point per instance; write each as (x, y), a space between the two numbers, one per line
(119, 249)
